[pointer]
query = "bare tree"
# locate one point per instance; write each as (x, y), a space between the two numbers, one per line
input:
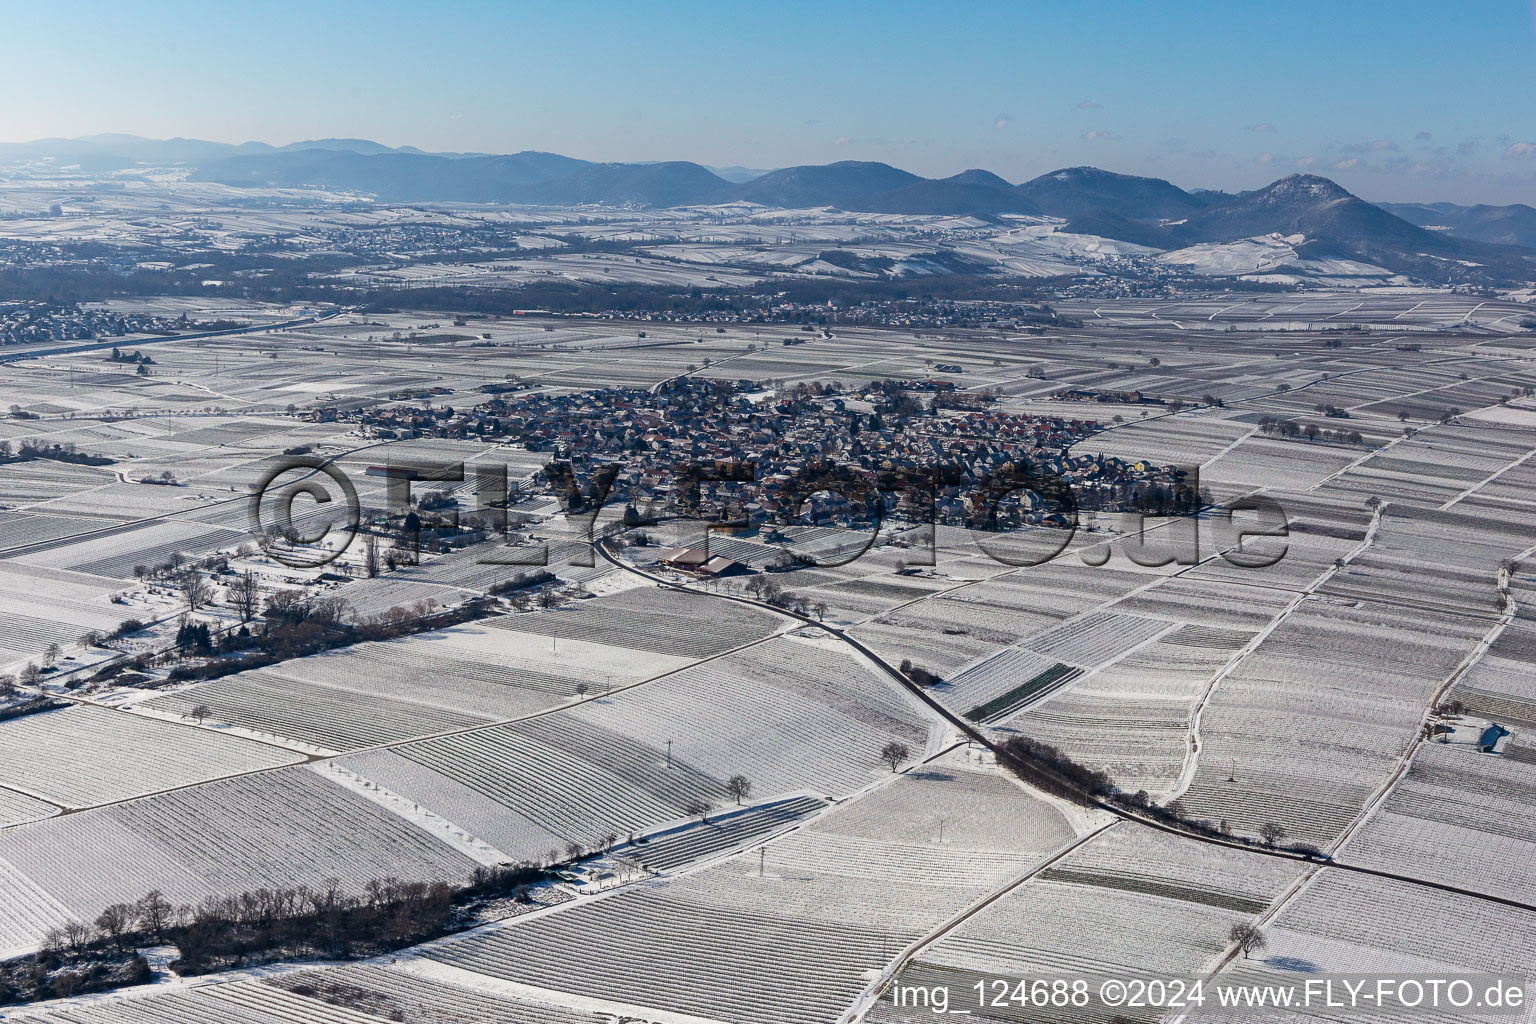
(31, 675)
(739, 786)
(329, 611)
(77, 935)
(52, 653)
(1248, 938)
(54, 940)
(1272, 832)
(194, 589)
(371, 554)
(697, 808)
(895, 753)
(154, 912)
(581, 690)
(245, 595)
(199, 713)
(115, 922)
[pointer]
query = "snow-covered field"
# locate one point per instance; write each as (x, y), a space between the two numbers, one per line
(1292, 695)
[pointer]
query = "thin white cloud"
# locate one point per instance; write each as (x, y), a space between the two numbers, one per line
(1520, 151)
(843, 140)
(1263, 128)
(1098, 136)
(1001, 121)
(1306, 161)
(1374, 146)
(1089, 105)
(1265, 158)
(1348, 165)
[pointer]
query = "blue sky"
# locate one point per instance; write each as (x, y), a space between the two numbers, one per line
(1397, 101)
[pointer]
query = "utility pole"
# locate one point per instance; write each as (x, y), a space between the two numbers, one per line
(762, 860)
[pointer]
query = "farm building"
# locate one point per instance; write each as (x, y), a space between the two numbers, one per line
(701, 562)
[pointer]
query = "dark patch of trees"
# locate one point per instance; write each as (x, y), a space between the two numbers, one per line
(1159, 499)
(227, 931)
(918, 675)
(31, 451)
(1049, 770)
(251, 928)
(295, 624)
(521, 582)
(30, 706)
(69, 970)
(1291, 429)
(194, 638)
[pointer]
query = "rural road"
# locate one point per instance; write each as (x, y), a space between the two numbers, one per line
(972, 733)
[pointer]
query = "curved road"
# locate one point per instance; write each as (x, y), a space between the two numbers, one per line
(972, 733)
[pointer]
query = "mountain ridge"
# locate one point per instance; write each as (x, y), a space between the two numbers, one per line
(1514, 224)
(1147, 211)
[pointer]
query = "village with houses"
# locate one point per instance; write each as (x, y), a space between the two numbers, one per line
(882, 430)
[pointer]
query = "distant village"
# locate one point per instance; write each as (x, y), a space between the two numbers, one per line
(774, 308)
(687, 445)
(23, 323)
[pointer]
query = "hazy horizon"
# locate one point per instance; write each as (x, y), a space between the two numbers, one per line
(1016, 91)
(1257, 183)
